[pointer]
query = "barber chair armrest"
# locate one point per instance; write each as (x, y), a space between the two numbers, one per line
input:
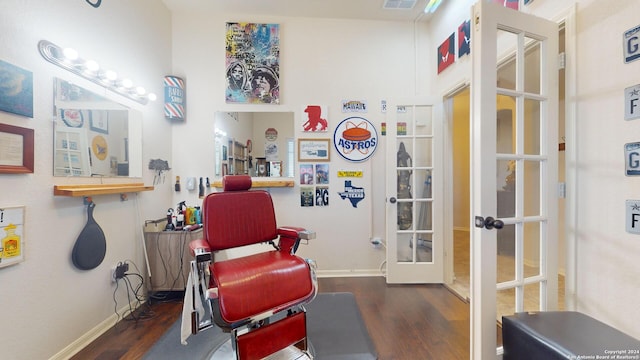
(199, 248)
(290, 237)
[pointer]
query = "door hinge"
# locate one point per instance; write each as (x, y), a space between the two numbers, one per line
(562, 60)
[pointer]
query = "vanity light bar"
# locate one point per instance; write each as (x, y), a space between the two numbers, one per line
(89, 69)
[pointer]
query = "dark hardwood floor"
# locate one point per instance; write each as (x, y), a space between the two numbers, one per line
(404, 322)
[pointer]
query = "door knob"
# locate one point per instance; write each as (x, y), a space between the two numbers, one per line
(392, 200)
(488, 223)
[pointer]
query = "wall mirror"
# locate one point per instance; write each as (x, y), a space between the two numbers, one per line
(260, 144)
(94, 135)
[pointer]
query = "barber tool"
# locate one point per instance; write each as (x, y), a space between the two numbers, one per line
(201, 190)
(91, 245)
(177, 186)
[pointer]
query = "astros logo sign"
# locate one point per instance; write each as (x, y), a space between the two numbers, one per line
(355, 139)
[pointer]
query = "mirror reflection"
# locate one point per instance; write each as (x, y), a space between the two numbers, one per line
(260, 144)
(92, 134)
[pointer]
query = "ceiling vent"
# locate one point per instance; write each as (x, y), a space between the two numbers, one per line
(399, 4)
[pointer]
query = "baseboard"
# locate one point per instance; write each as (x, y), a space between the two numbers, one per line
(86, 339)
(348, 273)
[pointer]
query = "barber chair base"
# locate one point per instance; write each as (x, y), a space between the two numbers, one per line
(226, 352)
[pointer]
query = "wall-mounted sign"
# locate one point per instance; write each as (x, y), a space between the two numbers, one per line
(354, 106)
(174, 98)
(271, 134)
(355, 139)
(632, 158)
(631, 44)
(632, 102)
(353, 193)
(11, 235)
(446, 53)
(350, 173)
(464, 38)
(316, 116)
(633, 216)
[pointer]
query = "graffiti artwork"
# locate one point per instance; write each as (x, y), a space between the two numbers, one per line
(253, 63)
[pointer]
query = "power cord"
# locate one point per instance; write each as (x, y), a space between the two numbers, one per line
(135, 298)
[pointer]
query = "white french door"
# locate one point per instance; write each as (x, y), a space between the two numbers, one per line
(514, 124)
(414, 193)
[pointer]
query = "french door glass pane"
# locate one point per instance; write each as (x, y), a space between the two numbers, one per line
(531, 249)
(531, 184)
(532, 60)
(506, 270)
(532, 127)
(507, 43)
(424, 120)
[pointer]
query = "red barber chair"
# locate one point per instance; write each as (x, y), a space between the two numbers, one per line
(257, 298)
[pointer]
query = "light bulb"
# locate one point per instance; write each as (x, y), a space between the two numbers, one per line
(70, 54)
(152, 96)
(91, 66)
(127, 83)
(140, 90)
(110, 75)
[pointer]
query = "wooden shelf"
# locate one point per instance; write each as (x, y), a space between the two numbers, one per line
(262, 182)
(98, 189)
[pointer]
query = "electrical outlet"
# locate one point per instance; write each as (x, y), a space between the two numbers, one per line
(376, 242)
(119, 271)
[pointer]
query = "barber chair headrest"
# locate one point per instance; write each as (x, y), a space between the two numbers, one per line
(236, 182)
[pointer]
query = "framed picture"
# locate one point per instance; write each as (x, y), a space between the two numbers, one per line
(313, 149)
(11, 235)
(16, 149)
(99, 121)
(16, 90)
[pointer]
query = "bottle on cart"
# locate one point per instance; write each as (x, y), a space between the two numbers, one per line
(177, 185)
(180, 223)
(170, 226)
(198, 215)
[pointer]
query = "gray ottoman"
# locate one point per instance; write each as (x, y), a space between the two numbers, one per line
(564, 335)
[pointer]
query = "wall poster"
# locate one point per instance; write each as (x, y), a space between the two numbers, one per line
(464, 38)
(446, 53)
(316, 116)
(16, 90)
(252, 63)
(11, 235)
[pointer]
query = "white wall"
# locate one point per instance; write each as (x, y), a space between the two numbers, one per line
(322, 62)
(47, 303)
(607, 268)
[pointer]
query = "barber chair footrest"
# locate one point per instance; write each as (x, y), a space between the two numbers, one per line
(274, 337)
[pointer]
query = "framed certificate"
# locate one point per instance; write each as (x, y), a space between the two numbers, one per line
(313, 149)
(16, 149)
